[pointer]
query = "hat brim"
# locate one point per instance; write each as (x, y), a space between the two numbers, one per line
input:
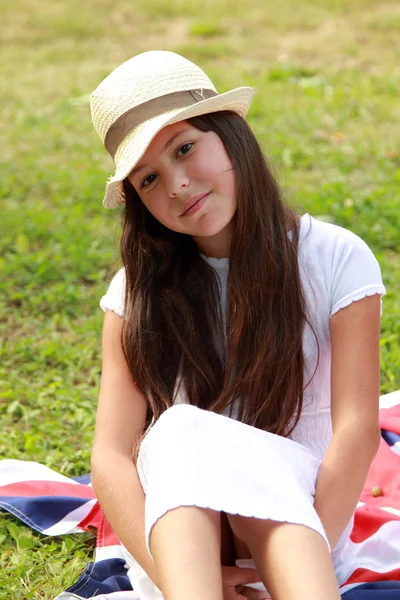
(135, 144)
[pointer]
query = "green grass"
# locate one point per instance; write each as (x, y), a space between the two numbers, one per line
(326, 111)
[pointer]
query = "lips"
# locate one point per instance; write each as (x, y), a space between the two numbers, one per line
(192, 201)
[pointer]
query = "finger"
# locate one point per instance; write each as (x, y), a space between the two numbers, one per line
(239, 575)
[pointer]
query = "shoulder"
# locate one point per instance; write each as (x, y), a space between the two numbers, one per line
(333, 247)
(340, 262)
(329, 238)
(114, 297)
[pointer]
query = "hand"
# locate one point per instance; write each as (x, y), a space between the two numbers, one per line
(234, 580)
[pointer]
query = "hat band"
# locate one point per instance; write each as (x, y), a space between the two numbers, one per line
(138, 114)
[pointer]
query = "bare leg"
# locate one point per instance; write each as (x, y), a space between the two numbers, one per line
(293, 561)
(188, 566)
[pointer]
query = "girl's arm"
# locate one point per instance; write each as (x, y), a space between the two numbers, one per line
(355, 413)
(120, 420)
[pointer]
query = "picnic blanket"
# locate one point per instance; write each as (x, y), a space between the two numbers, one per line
(55, 505)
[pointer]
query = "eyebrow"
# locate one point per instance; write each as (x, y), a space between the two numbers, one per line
(167, 145)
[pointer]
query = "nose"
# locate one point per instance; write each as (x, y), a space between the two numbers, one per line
(176, 181)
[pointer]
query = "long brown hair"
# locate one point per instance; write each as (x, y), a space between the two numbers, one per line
(174, 325)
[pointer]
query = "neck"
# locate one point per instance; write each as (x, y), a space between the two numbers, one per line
(215, 246)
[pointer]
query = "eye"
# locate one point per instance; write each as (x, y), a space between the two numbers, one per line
(148, 179)
(185, 149)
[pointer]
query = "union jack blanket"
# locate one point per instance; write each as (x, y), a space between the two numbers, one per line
(55, 505)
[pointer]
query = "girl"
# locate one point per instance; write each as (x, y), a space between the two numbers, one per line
(238, 410)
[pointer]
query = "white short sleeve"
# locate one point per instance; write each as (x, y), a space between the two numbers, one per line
(355, 272)
(115, 295)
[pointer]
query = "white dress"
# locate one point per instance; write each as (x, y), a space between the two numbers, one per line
(192, 457)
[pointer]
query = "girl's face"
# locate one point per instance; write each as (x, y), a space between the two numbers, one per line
(183, 165)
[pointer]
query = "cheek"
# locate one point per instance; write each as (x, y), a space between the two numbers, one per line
(215, 164)
(159, 207)
(153, 205)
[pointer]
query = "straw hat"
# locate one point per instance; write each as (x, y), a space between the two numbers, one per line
(143, 95)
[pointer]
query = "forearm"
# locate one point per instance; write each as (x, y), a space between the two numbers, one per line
(117, 486)
(341, 479)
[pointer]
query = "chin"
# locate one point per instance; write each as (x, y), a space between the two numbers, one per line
(213, 232)
(208, 227)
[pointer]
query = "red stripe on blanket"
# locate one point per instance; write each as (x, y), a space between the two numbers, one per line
(384, 473)
(105, 535)
(360, 576)
(389, 418)
(47, 488)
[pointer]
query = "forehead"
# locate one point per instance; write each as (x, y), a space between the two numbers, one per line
(161, 143)
(165, 134)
